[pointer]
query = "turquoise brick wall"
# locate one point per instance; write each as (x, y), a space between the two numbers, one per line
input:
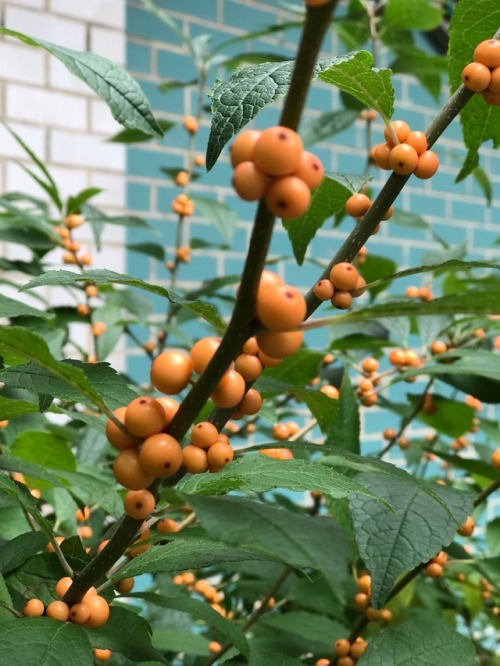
(456, 212)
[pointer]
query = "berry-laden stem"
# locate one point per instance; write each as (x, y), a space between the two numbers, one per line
(239, 327)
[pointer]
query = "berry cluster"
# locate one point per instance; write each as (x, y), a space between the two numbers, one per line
(204, 589)
(73, 248)
(348, 653)
(467, 529)
(343, 284)
(435, 567)
(366, 386)
(408, 156)
(274, 166)
(483, 75)
(183, 205)
(358, 205)
(422, 293)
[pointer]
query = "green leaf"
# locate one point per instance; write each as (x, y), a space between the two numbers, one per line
(251, 58)
(471, 465)
(405, 219)
(326, 125)
(419, 642)
(74, 203)
(14, 553)
(471, 23)
(199, 610)
(12, 308)
(377, 268)
(450, 417)
(428, 69)
(10, 408)
(239, 99)
(344, 429)
(297, 540)
(492, 536)
(484, 182)
(259, 473)
(44, 449)
(138, 136)
(5, 598)
(118, 89)
(317, 629)
(218, 213)
(392, 544)
(414, 15)
(266, 657)
(21, 494)
(462, 362)
(355, 75)
(177, 640)
(102, 276)
(154, 250)
(298, 369)
(326, 200)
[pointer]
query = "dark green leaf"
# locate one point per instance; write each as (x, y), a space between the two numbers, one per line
(137, 136)
(326, 125)
(15, 552)
(449, 417)
(471, 465)
(12, 308)
(10, 408)
(74, 203)
(21, 494)
(316, 629)
(44, 449)
(376, 268)
(492, 536)
(344, 429)
(462, 362)
(414, 15)
(154, 250)
(298, 369)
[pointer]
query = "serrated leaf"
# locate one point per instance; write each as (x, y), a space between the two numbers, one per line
(355, 75)
(10, 408)
(12, 308)
(419, 642)
(219, 213)
(471, 23)
(14, 553)
(327, 125)
(114, 86)
(262, 474)
(236, 101)
(345, 427)
(326, 200)
(391, 544)
(414, 15)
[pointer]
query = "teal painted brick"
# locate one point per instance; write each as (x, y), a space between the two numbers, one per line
(453, 231)
(351, 163)
(139, 57)
(143, 162)
(419, 95)
(486, 238)
(174, 66)
(139, 196)
(217, 36)
(425, 203)
(141, 23)
(174, 99)
(445, 182)
(138, 264)
(466, 210)
(206, 9)
(246, 17)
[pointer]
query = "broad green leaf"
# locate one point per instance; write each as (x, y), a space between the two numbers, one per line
(218, 213)
(345, 427)
(167, 86)
(39, 572)
(419, 642)
(492, 536)
(326, 125)
(5, 598)
(44, 449)
(74, 203)
(199, 610)
(300, 368)
(487, 390)
(265, 657)
(326, 200)
(10, 408)
(404, 218)
(355, 75)
(137, 135)
(21, 494)
(12, 308)
(23, 220)
(471, 23)
(428, 69)
(14, 553)
(414, 15)
(297, 540)
(316, 629)
(471, 465)
(449, 417)
(177, 640)
(461, 362)
(391, 544)
(259, 473)
(377, 270)
(250, 58)
(239, 99)
(114, 86)
(102, 276)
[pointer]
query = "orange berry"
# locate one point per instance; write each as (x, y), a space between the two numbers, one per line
(280, 308)
(365, 385)
(83, 309)
(99, 328)
(182, 178)
(428, 164)
(341, 647)
(249, 367)
(411, 358)
(281, 431)
(417, 140)
(268, 278)
(81, 515)
(488, 53)
(441, 558)
(345, 661)
(251, 346)
(214, 647)
(170, 407)
(438, 347)
(280, 344)
(370, 364)
(167, 526)
(230, 390)
(268, 361)
(330, 391)
(204, 434)
(249, 182)
(33, 608)
(219, 455)
(190, 124)
(277, 454)
(73, 221)
(199, 160)
(476, 76)
(344, 276)
(358, 647)
(171, 372)
(381, 154)
(310, 170)
(160, 455)
(63, 585)
(99, 611)
(194, 459)
(364, 584)
(397, 357)
(434, 570)
(494, 86)
(288, 197)
(403, 159)
(139, 504)
(401, 129)
(91, 290)
(243, 147)
(467, 529)
(490, 97)
(86, 260)
(79, 613)
(357, 205)
(278, 151)
(495, 459)
(101, 654)
(85, 532)
(144, 417)
(129, 472)
(389, 433)
(342, 300)
(117, 437)
(361, 601)
(323, 290)
(322, 662)
(202, 351)
(57, 610)
(251, 403)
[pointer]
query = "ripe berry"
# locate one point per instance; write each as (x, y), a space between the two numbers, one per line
(494, 86)
(357, 205)
(182, 178)
(364, 584)
(125, 585)
(101, 654)
(129, 472)
(341, 647)
(251, 346)
(249, 181)
(204, 434)
(194, 459)
(79, 613)
(434, 570)
(167, 526)
(358, 647)
(81, 515)
(249, 367)
(278, 151)
(139, 504)
(98, 611)
(417, 140)
(277, 454)
(342, 300)
(288, 197)
(63, 585)
(280, 308)
(441, 558)
(190, 124)
(117, 437)
(381, 154)
(403, 159)
(219, 455)
(85, 532)
(170, 407)
(488, 53)
(427, 165)
(171, 372)
(33, 608)
(251, 403)
(230, 390)
(243, 147)
(361, 601)
(495, 459)
(202, 351)
(268, 361)
(323, 290)
(281, 431)
(160, 455)
(467, 529)
(144, 417)
(438, 347)
(397, 357)
(99, 328)
(310, 170)
(370, 364)
(330, 391)
(280, 344)
(344, 276)
(401, 129)
(58, 610)
(345, 661)
(214, 647)
(476, 76)
(73, 221)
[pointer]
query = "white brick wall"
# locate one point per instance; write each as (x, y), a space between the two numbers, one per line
(59, 117)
